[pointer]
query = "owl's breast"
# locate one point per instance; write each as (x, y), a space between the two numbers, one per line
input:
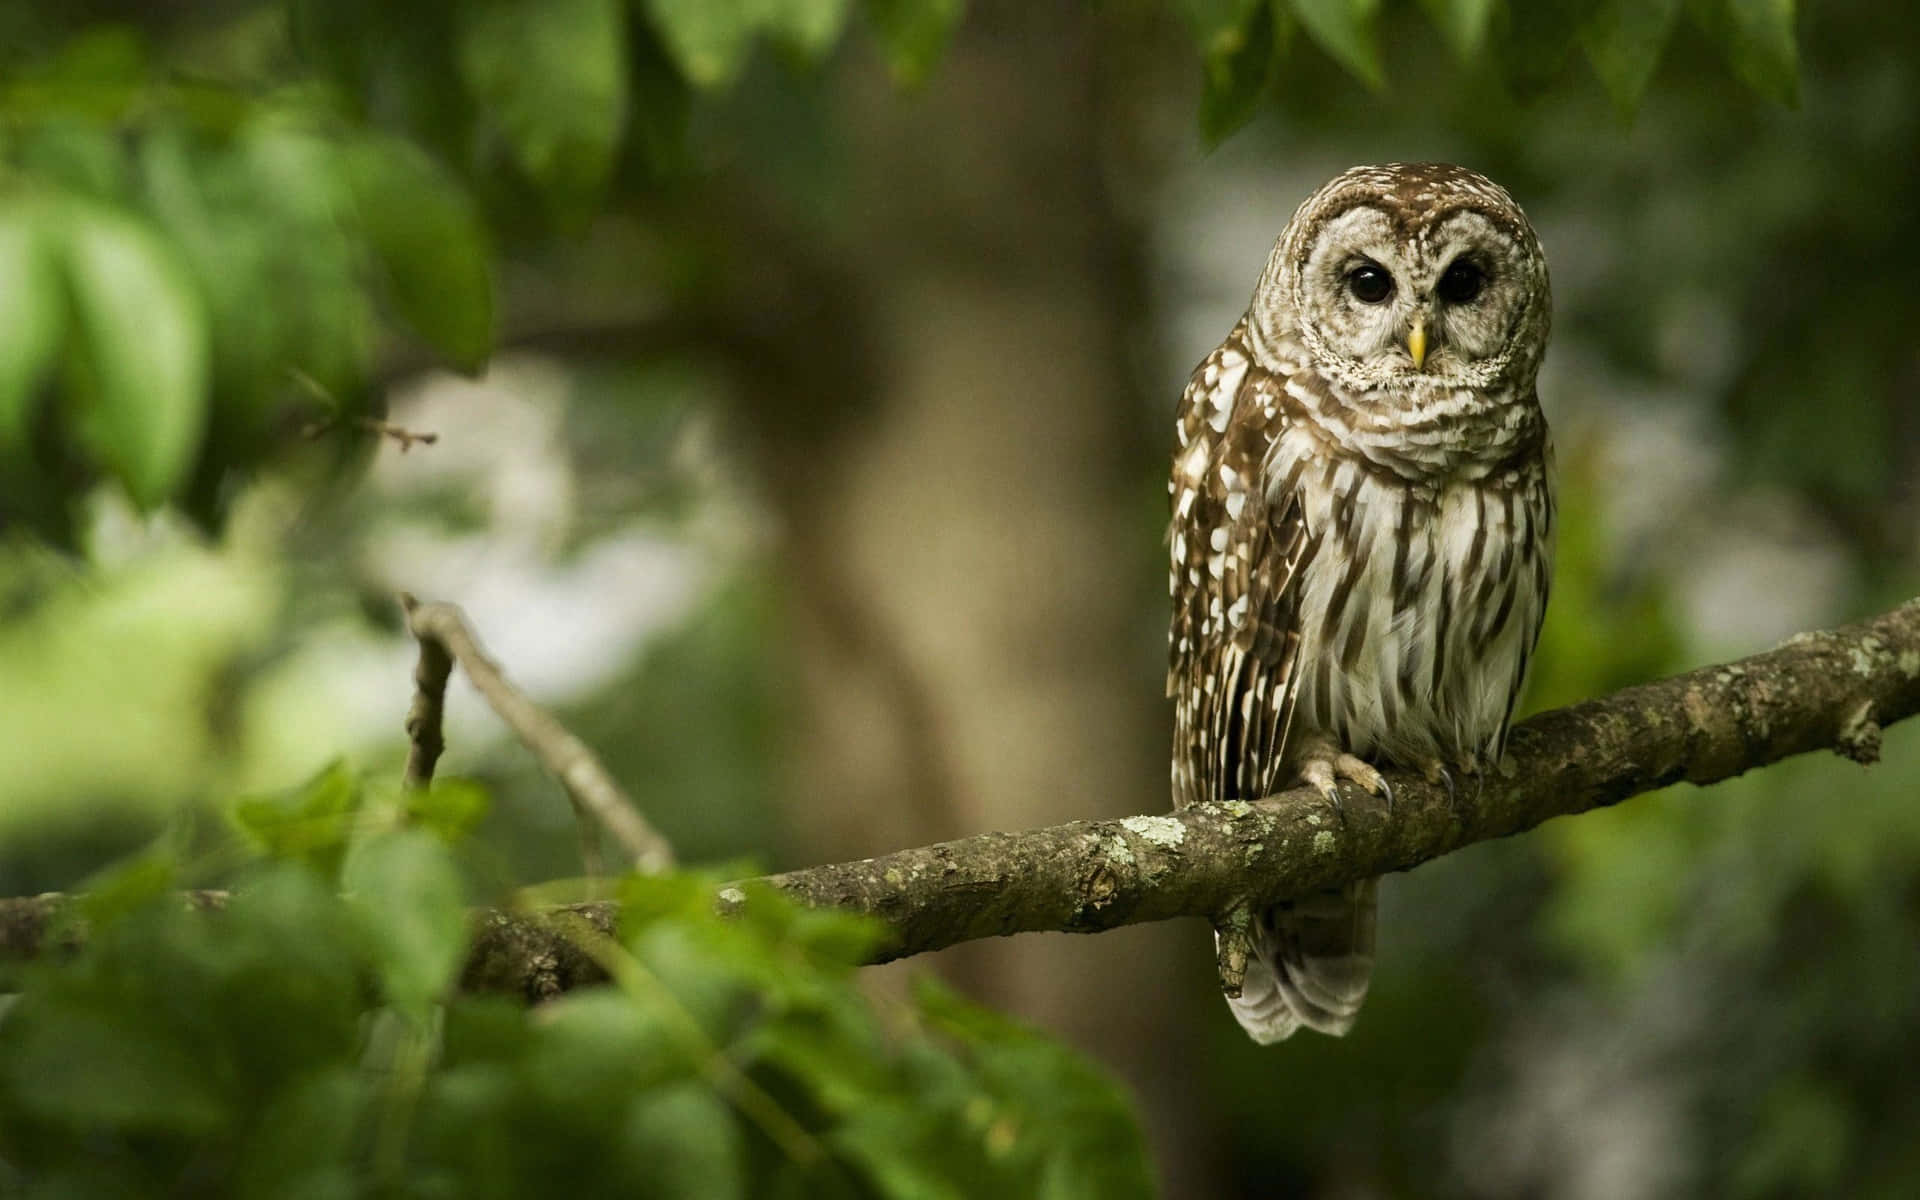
(1418, 607)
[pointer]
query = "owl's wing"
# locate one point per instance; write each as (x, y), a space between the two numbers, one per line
(1239, 541)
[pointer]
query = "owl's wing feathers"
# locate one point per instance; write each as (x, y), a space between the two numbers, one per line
(1238, 549)
(1240, 541)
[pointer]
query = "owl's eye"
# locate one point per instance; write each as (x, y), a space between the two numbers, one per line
(1370, 284)
(1461, 283)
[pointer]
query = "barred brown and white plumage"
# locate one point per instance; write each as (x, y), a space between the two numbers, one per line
(1362, 529)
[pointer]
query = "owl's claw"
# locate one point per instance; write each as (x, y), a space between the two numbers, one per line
(1437, 774)
(1322, 772)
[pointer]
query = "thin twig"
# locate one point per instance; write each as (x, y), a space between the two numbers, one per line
(586, 781)
(404, 437)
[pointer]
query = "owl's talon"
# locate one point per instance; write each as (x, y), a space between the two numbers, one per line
(1323, 773)
(1436, 773)
(1318, 773)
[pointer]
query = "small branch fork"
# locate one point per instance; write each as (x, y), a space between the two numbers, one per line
(1834, 690)
(445, 639)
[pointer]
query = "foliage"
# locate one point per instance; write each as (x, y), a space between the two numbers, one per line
(226, 228)
(204, 226)
(306, 1042)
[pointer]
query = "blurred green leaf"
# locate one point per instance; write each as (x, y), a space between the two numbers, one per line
(91, 1061)
(1758, 38)
(1345, 29)
(913, 34)
(32, 321)
(143, 350)
(1047, 1109)
(708, 41)
(427, 238)
(690, 1137)
(553, 74)
(310, 823)
(301, 1144)
(1805, 1139)
(809, 26)
(128, 885)
(711, 42)
(1239, 48)
(1463, 23)
(1624, 42)
(1531, 41)
(410, 895)
(449, 807)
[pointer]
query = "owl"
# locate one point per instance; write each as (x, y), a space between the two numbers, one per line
(1362, 532)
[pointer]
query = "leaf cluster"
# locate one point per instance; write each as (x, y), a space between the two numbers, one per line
(308, 1039)
(1245, 44)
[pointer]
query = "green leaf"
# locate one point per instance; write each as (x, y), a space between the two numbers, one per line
(79, 1057)
(302, 1143)
(1345, 30)
(600, 1042)
(688, 1138)
(1237, 50)
(427, 239)
(1532, 40)
(1624, 41)
(913, 34)
(412, 901)
(1044, 1109)
(128, 885)
(32, 321)
(450, 807)
(1462, 22)
(553, 75)
(142, 367)
(709, 41)
(1758, 38)
(809, 26)
(310, 823)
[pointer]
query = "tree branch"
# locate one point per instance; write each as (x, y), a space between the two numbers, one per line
(1832, 690)
(443, 635)
(1818, 691)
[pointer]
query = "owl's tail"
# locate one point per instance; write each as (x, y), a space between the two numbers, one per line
(1311, 961)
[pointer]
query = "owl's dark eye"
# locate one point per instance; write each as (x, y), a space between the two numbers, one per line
(1370, 284)
(1461, 283)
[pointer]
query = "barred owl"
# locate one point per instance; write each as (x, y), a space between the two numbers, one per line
(1361, 532)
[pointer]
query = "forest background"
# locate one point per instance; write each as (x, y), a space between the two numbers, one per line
(800, 375)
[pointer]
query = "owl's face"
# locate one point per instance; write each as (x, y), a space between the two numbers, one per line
(1411, 274)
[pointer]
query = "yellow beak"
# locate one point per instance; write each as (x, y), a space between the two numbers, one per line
(1417, 343)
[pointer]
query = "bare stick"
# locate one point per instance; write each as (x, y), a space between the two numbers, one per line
(586, 782)
(426, 717)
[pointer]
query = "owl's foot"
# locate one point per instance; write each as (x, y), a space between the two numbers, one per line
(1324, 767)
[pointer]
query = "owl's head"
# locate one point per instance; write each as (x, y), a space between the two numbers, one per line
(1410, 272)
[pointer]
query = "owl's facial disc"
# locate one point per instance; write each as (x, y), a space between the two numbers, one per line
(1439, 300)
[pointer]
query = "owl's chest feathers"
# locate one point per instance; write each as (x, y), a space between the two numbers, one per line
(1422, 429)
(1418, 603)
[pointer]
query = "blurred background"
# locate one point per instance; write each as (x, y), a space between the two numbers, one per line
(809, 461)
